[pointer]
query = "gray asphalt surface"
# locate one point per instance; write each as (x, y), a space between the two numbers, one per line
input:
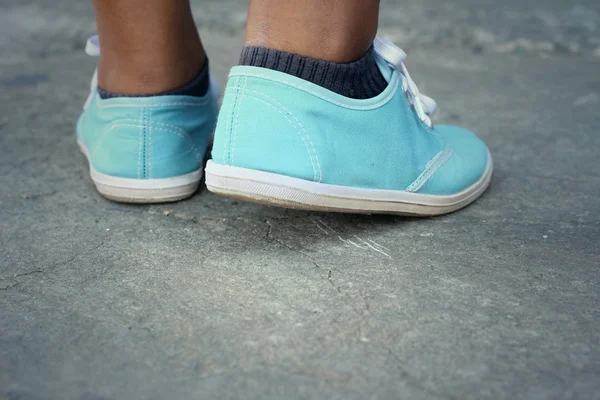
(212, 298)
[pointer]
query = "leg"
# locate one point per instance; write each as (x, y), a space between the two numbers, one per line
(335, 30)
(325, 42)
(148, 121)
(148, 46)
(321, 116)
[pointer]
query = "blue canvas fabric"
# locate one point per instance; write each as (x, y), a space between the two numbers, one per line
(277, 123)
(147, 137)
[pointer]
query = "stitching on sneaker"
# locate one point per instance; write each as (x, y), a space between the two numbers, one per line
(200, 103)
(237, 121)
(380, 103)
(182, 134)
(297, 131)
(139, 124)
(301, 126)
(431, 168)
(141, 140)
(149, 151)
(229, 126)
(169, 129)
(145, 146)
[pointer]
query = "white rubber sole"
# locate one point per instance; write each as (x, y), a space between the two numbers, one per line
(143, 191)
(284, 191)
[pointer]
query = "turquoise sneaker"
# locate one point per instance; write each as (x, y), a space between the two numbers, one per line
(287, 142)
(146, 149)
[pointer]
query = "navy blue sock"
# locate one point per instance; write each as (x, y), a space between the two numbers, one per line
(361, 79)
(197, 87)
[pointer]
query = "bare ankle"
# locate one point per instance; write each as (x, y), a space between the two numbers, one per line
(149, 73)
(334, 30)
(149, 52)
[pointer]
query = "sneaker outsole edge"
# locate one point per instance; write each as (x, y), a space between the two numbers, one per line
(144, 191)
(288, 192)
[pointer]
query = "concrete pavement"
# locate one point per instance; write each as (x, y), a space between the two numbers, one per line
(212, 298)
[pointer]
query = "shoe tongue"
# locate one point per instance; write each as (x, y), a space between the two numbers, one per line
(385, 68)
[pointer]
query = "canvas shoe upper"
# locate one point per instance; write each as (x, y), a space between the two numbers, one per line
(285, 141)
(146, 149)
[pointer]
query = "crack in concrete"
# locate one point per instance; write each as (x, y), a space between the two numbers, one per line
(269, 236)
(338, 288)
(50, 267)
(35, 271)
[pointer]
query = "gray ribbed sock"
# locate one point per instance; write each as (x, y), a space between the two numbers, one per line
(197, 87)
(360, 79)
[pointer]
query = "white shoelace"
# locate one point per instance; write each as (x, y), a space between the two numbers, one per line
(92, 48)
(424, 106)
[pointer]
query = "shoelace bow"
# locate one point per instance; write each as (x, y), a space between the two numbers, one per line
(424, 106)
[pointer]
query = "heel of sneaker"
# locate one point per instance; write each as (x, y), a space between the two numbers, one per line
(140, 161)
(143, 191)
(259, 129)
